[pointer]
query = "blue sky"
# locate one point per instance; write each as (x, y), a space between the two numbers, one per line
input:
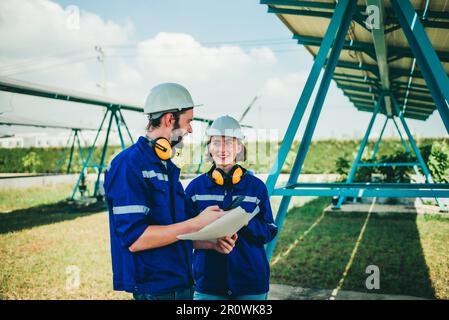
(220, 50)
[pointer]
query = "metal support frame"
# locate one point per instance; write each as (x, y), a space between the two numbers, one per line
(71, 141)
(437, 82)
(358, 157)
(334, 38)
(356, 164)
(426, 57)
(376, 146)
(114, 113)
(80, 149)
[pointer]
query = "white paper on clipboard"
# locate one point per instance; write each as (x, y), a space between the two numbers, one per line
(226, 225)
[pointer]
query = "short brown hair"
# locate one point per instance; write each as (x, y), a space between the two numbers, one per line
(156, 122)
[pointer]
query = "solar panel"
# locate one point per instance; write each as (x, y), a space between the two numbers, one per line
(376, 55)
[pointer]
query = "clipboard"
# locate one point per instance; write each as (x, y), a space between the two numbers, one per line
(226, 225)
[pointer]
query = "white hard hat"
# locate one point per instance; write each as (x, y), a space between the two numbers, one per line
(225, 126)
(167, 97)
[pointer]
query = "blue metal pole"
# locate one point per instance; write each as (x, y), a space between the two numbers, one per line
(80, 149)
(316, 110)
(388, 164)
(407, 149)
(426, 57)
(376, 147)
(89, 155)
(412, 141)
(71, 151)
(126, 126)
(404, 143)
(336, 21)
(415, 150)
(362, 147)
(117, 122)
(103, 153)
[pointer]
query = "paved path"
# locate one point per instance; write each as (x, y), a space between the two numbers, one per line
(285, 292)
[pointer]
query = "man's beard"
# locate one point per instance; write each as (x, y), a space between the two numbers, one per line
(177, 136)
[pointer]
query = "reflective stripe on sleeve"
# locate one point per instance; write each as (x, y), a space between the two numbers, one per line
(207, 197)
(130, 209)
(153, 174)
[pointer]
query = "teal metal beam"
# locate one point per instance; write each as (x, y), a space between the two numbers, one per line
(359, 66)
(358, 88)
(412, 142)
(365, 47)
(388, 164)
(356, 77)
(334, 38)
(294, 3)
(103, 153)
(443, 15)
(72, 148)
(351, 81)
(82, 177)
(426, 57)
(402, 90)
(408, 190)
(397, 53)
(361, 96)
(358, 157)
(412, 85)
(376, 147)
(416, 105)
(126, 126)
(300, 12)
(306, 94)
(358, 17)
(58, 94)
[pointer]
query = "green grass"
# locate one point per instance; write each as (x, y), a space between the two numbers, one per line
(39, 242)
(410, 251)
(13, 199)
(40, 238)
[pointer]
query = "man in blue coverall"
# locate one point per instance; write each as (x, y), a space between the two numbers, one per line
(146, 205)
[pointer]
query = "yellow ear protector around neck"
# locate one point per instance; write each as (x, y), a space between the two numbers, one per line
(227, 179)
(162, 147)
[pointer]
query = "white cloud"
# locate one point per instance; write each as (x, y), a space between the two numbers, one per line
(39, 27)
(263, 55)
(285, 87)
(180, 56)
(37, 46)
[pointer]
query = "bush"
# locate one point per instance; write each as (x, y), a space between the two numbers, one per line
(396, 173)
(438, 162)
(342, 166)
(30, 162)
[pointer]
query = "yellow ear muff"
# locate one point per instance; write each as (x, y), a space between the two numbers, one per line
(221, 178)
(162, 148)
(218, 178)
(237, 175)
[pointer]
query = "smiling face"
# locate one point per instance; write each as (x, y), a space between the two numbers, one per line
(224, 150)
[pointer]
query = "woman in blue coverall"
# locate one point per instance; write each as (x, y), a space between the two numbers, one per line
(241, 273)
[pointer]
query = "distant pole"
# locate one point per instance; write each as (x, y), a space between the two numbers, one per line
(101, 58)
(248, 108)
